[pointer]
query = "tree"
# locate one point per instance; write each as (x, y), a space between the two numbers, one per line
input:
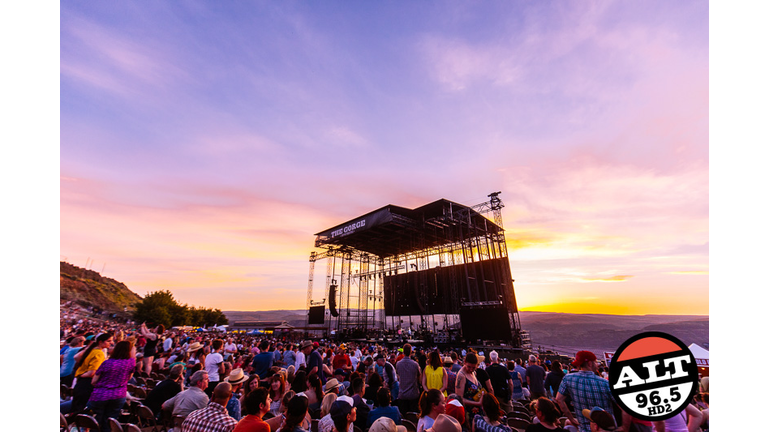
(160, 307)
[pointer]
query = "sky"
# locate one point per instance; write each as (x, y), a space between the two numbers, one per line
(203, 144)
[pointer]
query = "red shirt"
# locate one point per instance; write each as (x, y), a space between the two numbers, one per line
(251, 423)
(341, 360)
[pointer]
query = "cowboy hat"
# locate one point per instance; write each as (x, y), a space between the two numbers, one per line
(236, 376)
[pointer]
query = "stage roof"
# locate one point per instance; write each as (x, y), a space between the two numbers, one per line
(393, 230)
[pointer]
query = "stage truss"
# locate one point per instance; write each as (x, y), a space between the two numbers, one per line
(394, 246)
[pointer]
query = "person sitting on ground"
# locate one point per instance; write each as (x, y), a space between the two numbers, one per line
(165, 389)
(431, 404)
(384, 399)
(257, 404)
(490, 421)
(214, 417)
(548, 415)
(191, 399)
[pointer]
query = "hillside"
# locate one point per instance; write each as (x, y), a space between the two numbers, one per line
(89, 288)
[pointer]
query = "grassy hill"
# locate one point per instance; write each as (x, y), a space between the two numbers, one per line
(89, 288)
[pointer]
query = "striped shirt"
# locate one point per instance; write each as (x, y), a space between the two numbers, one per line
(586, 390)
(213, 418)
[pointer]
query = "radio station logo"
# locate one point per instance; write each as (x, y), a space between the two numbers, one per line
(653, 376)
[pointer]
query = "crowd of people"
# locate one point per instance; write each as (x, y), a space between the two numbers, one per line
(236, 382)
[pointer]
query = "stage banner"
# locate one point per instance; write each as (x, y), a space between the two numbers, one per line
(362, 223)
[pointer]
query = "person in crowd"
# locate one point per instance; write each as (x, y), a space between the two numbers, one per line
(467, 385)
(386, 371)
(435, 376)
(214, 365)
(490, 420)
(687, 420)
(295, 414)
(277, 388)
(110, 384)
(150, 348)
(455, 409)
(214, 417)
(343, 413)
(455, 365)
(67, 360)
(448, 365)
(314, 392)
(236, 378)
(299, 382)
(263, 361)
(326, 423)
(251, 384)
(521, 370)
(431, 404)
(341, 360)
(301, 355)
(86, 366)
(315, 364)
(289, 356)
(374, 384)
(586, 390)
(191, 399)
(517, 382)
(168, 343)
(554, 378)
(384, 409)
(482, 376)
(534, 377)
(257, 405)
(548, 415)
(333, 386)
(599, 419)
(363, 409)
(501, 381)
(409, 372)
(166, 389)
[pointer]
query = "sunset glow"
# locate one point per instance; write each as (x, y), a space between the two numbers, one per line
(203, 144)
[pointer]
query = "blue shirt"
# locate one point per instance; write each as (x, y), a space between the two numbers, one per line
(587, 390)
(262, 363)
(316, 360)
(233, 407)
(390, 411)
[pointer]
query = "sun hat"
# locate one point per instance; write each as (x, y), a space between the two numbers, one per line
(385, 424)
(600, 417)
(236, 376)
(331, 384)
(445, 423)
(194, 346)
(306, 344)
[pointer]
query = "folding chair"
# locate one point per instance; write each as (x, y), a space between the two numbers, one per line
(518, 423)
(409, 425)
(413, 417)
(115, 426)
(147, 419)
(86, 422)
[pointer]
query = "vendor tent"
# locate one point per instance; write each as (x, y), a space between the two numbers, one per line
(702, 358)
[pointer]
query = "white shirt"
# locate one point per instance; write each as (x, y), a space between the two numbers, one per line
(301, 360)
(212, 362)
(167, 344)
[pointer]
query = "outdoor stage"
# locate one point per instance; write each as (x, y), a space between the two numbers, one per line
(437, 273)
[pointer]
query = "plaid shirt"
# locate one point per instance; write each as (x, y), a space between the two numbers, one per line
(586, 390)
(213, 418)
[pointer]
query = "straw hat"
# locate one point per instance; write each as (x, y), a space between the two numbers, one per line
(236, 376)
(445, 423)
(194, 346)
(331, 384)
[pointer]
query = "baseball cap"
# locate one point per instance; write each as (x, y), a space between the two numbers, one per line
(600, 417)
(455, 409)
(583, 356)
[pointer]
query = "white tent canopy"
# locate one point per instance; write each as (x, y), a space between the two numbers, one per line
(700, 354)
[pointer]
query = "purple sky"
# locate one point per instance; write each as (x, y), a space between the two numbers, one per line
(202, 144)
